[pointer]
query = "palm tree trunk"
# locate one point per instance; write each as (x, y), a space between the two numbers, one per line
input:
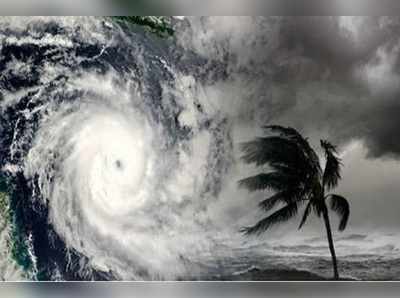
(330, 241)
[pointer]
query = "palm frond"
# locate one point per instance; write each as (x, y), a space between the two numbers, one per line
(277, 217)
(274, 181)
(341, 206)
(288, 132)
(271, 202)
(318, 206)
(317, 197)
(302, 143)
(272, 149)
(306, 213)
(287, 196)
(333, 165)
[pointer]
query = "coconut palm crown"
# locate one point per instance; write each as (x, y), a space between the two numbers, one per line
(292, 171)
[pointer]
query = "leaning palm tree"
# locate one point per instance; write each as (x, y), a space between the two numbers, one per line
(296, 178)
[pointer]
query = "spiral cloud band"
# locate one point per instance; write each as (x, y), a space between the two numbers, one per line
(102, 175)
(120, 154)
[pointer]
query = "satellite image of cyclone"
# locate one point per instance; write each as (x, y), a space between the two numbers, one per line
(123, 149)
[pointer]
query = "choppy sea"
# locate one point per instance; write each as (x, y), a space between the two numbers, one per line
(360, 257)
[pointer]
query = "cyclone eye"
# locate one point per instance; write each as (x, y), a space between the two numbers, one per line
(118, 164)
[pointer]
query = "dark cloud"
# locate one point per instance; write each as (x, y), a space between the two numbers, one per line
(331, 76)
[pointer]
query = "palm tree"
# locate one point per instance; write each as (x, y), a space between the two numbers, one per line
(292, 170)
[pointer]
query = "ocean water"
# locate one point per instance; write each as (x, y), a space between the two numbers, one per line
(360, 257)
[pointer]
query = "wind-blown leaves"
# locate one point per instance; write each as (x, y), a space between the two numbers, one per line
(286, 196)
(341, 206)
(319, 207)
(273, 180)
(272, 149)
(279, 216)
(293, 135)
(270, 202)
(332, 168)
(296, 176)
(306, 213)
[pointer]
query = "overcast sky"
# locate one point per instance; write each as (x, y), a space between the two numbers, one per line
(330, 77)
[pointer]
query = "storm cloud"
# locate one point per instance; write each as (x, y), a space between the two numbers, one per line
(334, 78)
(331, 77)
